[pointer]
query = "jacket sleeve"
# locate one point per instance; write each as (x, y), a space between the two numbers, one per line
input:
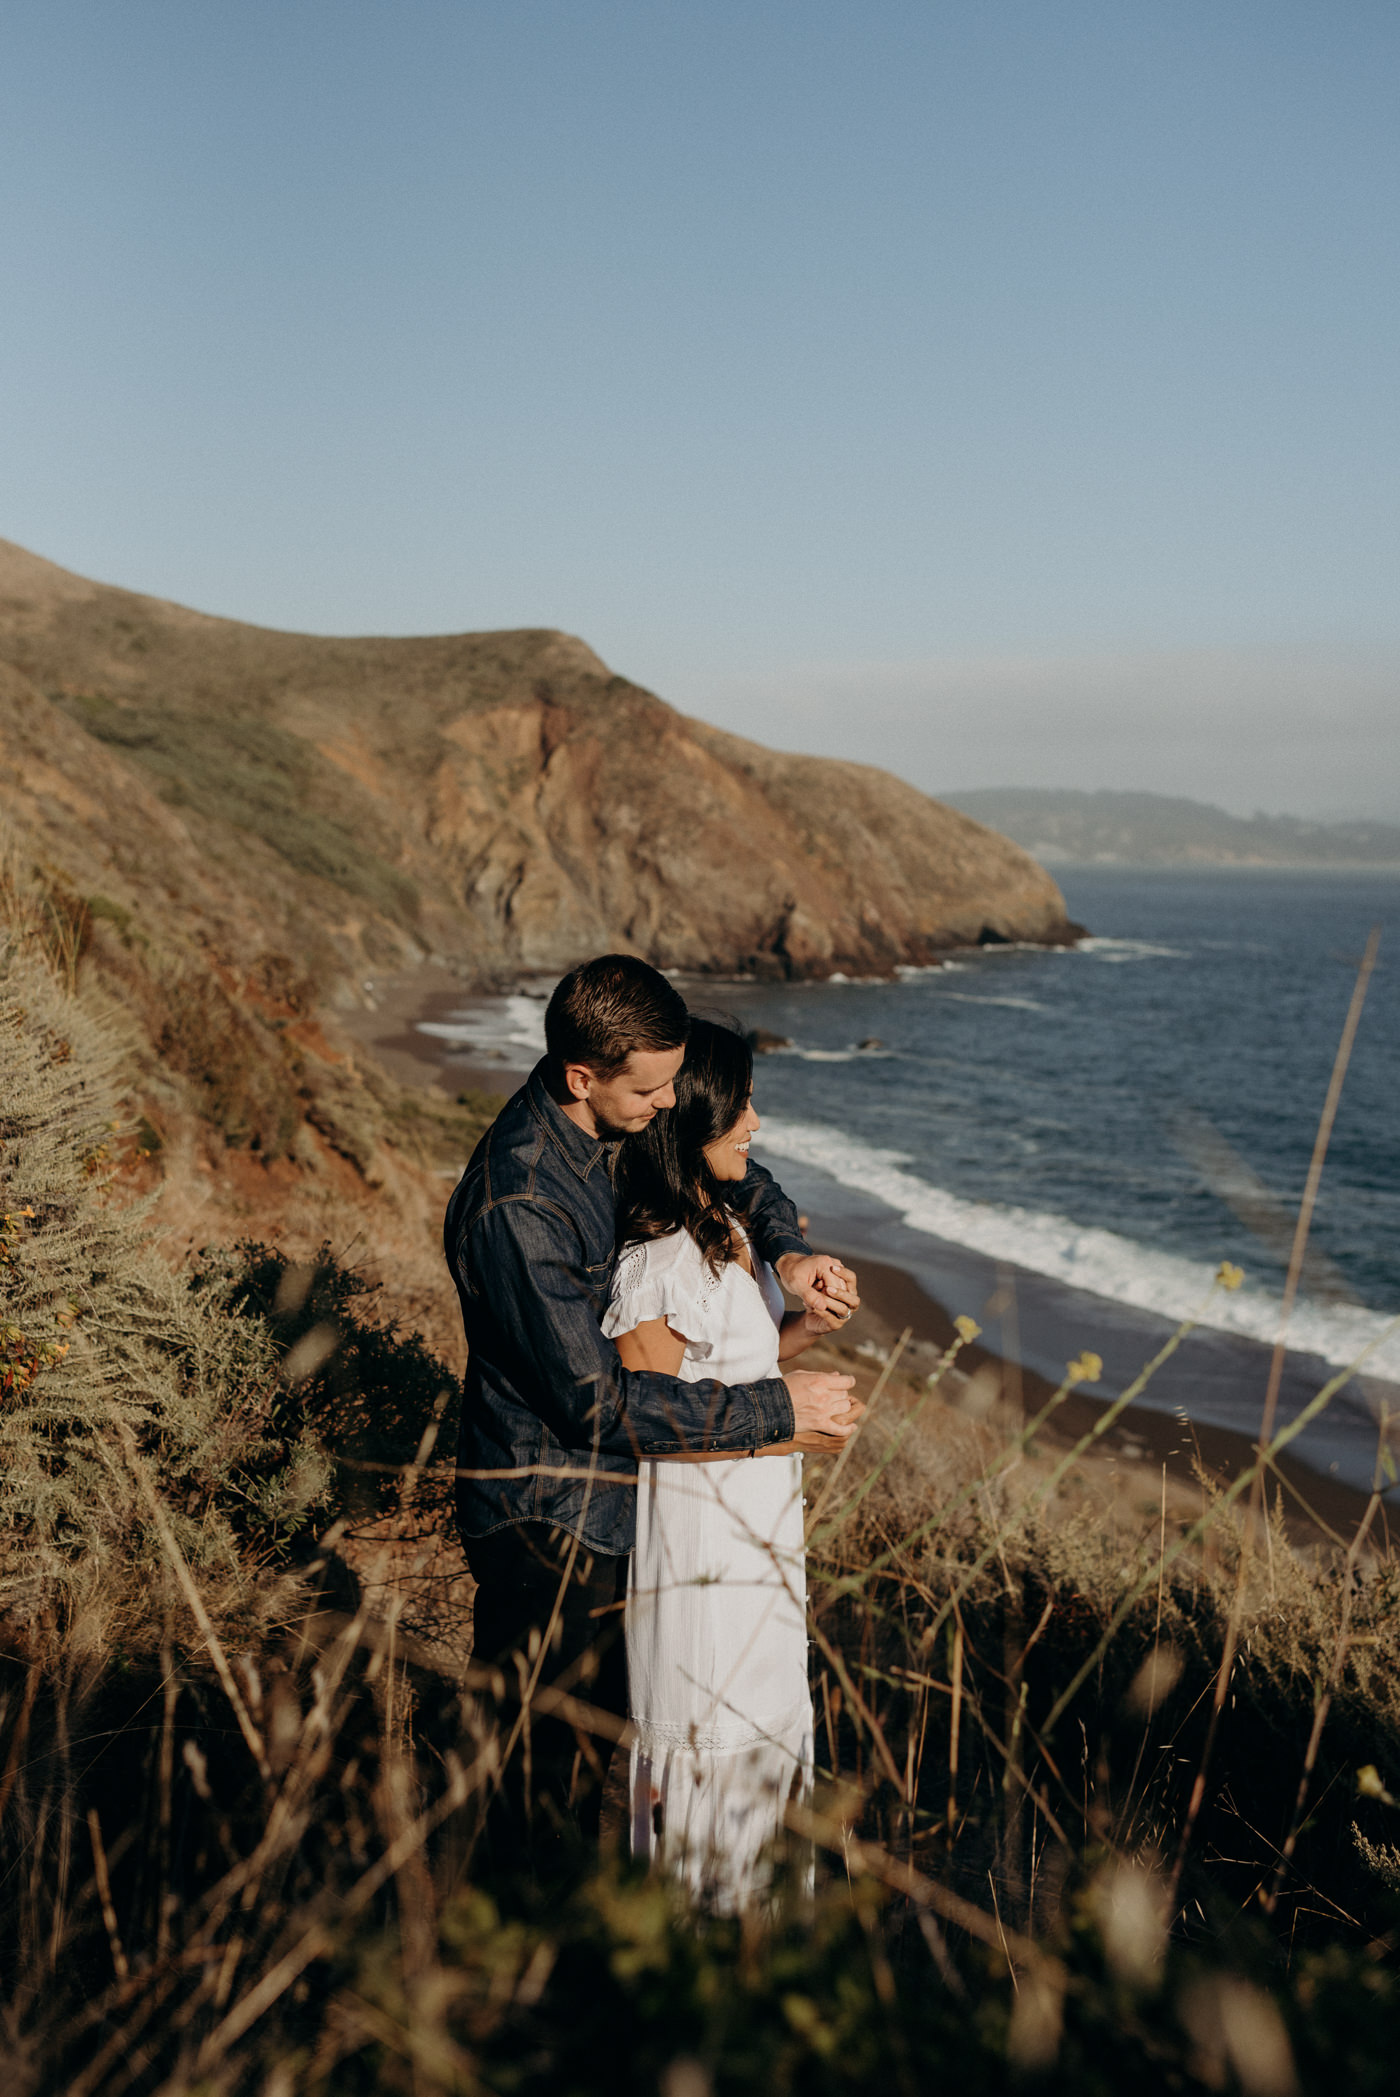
(524, 1256)
(769, 1215)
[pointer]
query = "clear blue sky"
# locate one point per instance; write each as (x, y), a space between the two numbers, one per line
(887, 377)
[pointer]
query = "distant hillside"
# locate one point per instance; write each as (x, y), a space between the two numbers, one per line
(1062, 827)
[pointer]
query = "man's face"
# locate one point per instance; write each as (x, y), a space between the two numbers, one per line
(620, 1105)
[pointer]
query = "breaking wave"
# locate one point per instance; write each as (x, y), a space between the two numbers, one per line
(1082, 1256)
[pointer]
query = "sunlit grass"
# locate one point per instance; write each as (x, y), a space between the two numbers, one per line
(244, 1755)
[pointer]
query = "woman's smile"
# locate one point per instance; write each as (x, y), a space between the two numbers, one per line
(728, 1156)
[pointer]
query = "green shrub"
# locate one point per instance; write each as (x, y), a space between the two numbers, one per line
(115, 1368)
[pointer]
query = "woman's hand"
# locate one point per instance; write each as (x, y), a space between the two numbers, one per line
(821, 1283)
(801, 1328)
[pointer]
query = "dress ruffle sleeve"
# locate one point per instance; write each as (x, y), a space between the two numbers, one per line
(662, 1278)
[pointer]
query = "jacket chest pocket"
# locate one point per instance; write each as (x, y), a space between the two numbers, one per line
(598, 1276)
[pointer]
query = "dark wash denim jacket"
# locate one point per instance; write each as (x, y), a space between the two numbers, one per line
(530, 1241)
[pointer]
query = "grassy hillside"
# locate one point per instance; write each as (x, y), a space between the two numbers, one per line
(243, 1749)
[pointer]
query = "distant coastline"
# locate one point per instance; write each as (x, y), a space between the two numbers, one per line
(1067, 827)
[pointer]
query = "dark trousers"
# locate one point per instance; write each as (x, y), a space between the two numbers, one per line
(540, 1591)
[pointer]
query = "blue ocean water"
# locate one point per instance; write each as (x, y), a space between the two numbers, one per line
(1098, 1085)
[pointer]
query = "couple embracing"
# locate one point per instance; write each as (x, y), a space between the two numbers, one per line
(630, 1468)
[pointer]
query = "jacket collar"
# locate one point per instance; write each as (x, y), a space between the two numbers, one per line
(583, 1153)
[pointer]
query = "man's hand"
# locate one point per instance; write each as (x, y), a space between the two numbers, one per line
(821, 1284)
(823, 1410)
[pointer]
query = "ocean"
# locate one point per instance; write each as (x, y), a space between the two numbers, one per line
(1066, 1144)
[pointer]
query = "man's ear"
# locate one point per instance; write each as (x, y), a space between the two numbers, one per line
(577, 1079)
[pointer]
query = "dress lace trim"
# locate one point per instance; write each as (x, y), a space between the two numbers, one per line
(681, 1290)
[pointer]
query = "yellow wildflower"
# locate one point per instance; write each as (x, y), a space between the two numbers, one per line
(1228, 1275)
(967, 1329)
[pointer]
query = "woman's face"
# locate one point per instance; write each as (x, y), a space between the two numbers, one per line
(728, 1156)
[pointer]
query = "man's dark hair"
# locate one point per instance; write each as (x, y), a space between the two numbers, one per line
(604, 1009)
(664, 1182)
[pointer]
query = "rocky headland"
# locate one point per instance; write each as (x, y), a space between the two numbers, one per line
(227, 829)
(502, 800)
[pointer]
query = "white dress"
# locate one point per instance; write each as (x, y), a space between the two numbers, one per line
(717, 1598)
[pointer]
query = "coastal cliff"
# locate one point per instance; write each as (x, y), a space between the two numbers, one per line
(502, 801)
(217, 833)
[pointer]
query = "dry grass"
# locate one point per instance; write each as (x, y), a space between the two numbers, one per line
(242, 1770)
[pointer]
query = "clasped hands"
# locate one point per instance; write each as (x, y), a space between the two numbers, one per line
(824, 1413)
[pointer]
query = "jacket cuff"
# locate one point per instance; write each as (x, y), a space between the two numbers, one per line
(782, 1241)
(772, 1404)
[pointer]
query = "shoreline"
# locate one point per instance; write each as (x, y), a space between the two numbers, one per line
(389, 1028)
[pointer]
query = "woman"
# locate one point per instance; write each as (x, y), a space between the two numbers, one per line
(716, 1609)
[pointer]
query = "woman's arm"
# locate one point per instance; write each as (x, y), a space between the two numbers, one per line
(800, 1328)
(651, 1345)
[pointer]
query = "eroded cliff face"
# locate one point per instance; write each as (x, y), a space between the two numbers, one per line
(501, 800)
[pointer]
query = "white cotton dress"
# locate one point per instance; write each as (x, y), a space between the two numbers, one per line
(717, 1598)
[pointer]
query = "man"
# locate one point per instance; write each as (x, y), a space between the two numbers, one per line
(552, 1424)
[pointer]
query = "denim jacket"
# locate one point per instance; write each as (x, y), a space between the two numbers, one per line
(549, 1414)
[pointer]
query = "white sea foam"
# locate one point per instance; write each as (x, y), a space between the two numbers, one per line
(509, 1024)
(817, 1055)
(1124, 950)
(975, 997)
(821, 1055)
(1080, 1256)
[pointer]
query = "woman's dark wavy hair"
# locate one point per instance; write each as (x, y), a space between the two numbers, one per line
(663, 1181)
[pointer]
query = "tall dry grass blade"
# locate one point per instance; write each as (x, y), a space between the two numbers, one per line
(189, 1588)
(1048, 1485)
(955, 1723)
(1324, 1700)
(1189, 1538)
(862, 1856)
(1321, 1141)
(1309, 1201)
(858, 1703)
(165, 1788)
(104, 1895)
(830, 1481)
(20, 1736)
(316, 1940)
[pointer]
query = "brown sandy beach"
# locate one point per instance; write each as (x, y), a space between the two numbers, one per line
(387, 1021)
